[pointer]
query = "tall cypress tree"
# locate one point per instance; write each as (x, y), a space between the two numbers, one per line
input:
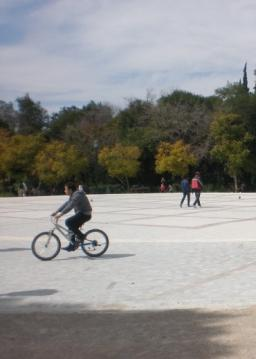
(245, 80)
(254, 83)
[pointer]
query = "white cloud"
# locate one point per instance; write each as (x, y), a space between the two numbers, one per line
(109, 50)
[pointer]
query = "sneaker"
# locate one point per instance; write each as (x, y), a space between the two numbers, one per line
(76, 244)
(69, 248)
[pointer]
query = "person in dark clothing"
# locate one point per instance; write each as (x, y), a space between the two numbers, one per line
(185, 187)
(197, 186)
(83, 211)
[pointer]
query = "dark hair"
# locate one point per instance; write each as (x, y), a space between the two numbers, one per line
(197, 173)
(71, 185)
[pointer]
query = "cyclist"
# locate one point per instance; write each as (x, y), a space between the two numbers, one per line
(83, 212)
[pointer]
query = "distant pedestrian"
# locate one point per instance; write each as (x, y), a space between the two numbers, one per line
(197, 186)
(25, 189)
(185, 187)
(242, 189)
(169, 188)
(163, 185)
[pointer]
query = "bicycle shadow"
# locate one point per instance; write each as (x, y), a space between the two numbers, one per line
(30, 293)
(104, 257)
(14, 249)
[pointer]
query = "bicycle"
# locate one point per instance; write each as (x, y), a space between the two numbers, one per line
(47, 245)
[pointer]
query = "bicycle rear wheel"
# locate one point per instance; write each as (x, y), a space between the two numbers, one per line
(95, 243)
(46, 246)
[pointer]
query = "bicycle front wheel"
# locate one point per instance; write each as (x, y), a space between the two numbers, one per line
(46, 246)
(95, 243)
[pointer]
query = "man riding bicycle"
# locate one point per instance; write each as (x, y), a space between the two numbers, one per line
(83, 212)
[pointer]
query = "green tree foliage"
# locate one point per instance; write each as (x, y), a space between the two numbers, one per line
(57, 162)
(121, 162)
(234, 99)
(174, 158)
(18, 155)
(5, 136)
(182, 115)
(8, 116)
(231, 144)
(91, 127)
(73, 123)
(179, 97)
(32, 117)
(67, 116)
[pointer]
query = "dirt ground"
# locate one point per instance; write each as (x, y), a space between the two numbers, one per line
(178, 334)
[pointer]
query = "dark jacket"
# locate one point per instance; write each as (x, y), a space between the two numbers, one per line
(185, 187)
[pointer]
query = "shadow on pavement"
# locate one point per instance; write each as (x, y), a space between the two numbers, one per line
(14, 249)
(105, 256)
(177, 334)
(117, 255)
(30, 293)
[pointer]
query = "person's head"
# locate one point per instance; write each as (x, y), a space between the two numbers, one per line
(69, 188)
(197, 174)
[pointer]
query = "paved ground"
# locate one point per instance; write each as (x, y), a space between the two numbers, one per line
(175, 282)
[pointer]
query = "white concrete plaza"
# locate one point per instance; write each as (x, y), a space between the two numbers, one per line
(161, 256)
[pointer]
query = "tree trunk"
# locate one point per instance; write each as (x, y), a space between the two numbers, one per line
(235, 183)
(127, 184)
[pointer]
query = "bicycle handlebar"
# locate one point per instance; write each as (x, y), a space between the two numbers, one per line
(53, 220)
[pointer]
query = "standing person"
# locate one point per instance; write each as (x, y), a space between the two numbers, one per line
(170, 188)
(25, 189)
(197, 186)
(185, 187)
(163, 185)
(83, 211)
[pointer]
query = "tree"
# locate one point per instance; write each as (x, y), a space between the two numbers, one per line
(254, 87)
(74, 119)
(18, 155)
(67, 116)
(120, 162)
(174, 158)
(57, 162)
(182, 115)
(245, 80)
(5, 137)
(32, 117)
(8, 116)
(231, 144)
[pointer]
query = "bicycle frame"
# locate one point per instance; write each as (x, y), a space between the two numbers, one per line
(63, 230)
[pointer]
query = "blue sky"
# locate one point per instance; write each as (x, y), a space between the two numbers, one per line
(65, 52)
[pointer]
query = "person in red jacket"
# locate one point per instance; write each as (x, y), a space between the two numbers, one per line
(197, 186)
